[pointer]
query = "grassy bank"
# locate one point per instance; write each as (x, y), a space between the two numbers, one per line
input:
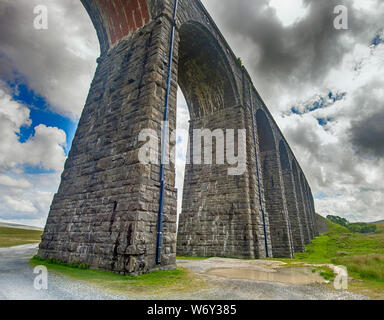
(10, 237)
(159, 282)
(362, 254)
(340, 244)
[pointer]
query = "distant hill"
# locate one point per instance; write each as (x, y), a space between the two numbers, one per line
(19, 226)
(377, 222)
(322, 223)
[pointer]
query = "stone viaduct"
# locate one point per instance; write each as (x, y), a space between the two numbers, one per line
(105, 212)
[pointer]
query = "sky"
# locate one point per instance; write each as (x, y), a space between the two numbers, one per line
(324, 87)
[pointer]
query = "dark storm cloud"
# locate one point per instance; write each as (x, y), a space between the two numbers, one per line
(289, 57)
(56, 63)
(310, 58)
(367, 134)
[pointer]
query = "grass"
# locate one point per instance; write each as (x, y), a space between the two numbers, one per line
(10, 237)
(192, 258)
(362, 254)
(339, 245)
(368, 267)
(325, 272)
(75, 265)
(159, 282)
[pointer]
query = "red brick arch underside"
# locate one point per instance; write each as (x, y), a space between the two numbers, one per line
(123, 17)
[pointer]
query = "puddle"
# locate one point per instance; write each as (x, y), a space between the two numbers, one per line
(302, 275)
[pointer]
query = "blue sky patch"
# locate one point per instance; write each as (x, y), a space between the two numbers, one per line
(41, 114)
(319, 102)
(320, 195)
(36, 170)
(378, 39)
(323, 121)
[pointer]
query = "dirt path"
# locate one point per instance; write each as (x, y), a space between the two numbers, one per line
(17, 280)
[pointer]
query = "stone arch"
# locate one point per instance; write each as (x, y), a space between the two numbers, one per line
(284, 158)
(273, 188)
(115, 20)
(291, 199)
(211, 222)
(266, 137)
(204, 74)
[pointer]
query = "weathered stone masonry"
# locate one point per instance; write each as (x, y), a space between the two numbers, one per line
(105, 211)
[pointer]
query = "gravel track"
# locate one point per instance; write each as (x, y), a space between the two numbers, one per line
(17, 277)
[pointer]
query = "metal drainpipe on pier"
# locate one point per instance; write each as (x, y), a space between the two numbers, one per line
(164, 139)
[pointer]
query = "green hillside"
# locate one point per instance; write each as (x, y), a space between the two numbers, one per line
(362, 254)
(10, 237)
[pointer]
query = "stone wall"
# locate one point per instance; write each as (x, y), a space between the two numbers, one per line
(105, 211)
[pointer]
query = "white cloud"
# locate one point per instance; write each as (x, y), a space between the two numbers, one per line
(289, 12)
(10, 182)
(43, 149)
(57, 63)
(24, 196)
(20, 205)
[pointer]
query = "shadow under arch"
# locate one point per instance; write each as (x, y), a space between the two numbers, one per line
(265, 133)
(204, 73)
(290, 196)
(273, 189)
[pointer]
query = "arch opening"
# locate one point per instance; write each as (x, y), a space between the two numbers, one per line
(204, 87)
(284, 159)
(203, 72)
(209, 220)
(264, 129)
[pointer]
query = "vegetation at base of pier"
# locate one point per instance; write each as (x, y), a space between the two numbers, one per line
(10, 237)
(36, 259)
(192, 258)
(177, 280)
